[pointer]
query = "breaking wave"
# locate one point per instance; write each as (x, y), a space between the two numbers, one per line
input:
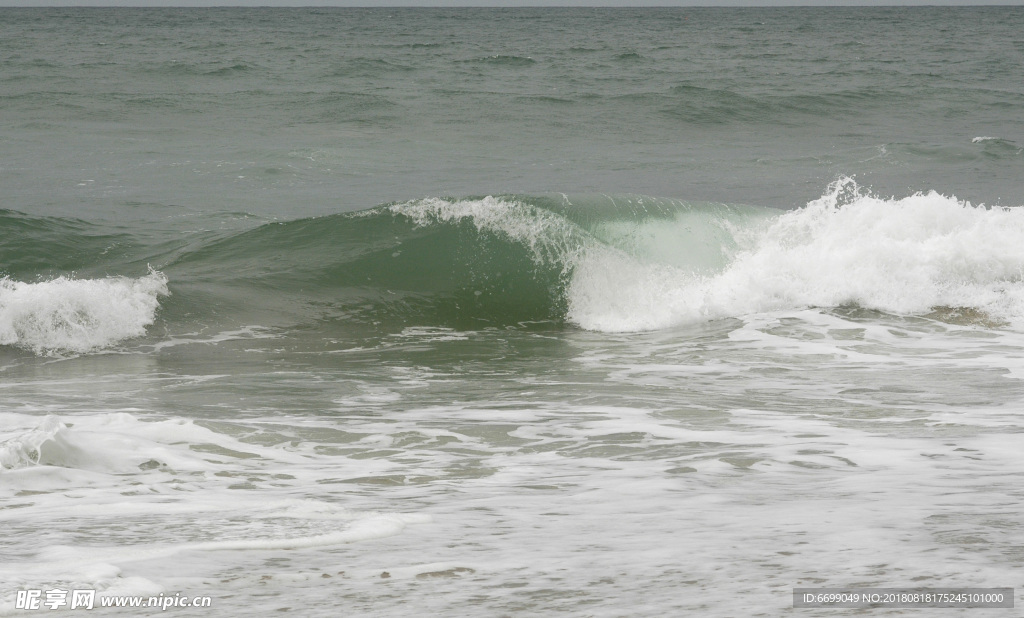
(77, 315)
(604, 263)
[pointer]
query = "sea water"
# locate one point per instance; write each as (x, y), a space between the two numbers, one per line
(481, 312)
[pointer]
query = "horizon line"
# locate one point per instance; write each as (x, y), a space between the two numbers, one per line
(411, 4)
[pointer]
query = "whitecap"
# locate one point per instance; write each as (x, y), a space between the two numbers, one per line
(77, 315)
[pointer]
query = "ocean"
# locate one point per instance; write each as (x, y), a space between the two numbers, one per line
(509, 312)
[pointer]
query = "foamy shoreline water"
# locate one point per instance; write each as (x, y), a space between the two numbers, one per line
(756, 490)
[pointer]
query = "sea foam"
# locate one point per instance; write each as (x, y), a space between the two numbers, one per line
(77, 315)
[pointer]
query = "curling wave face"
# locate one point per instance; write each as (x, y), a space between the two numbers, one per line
(603, 263)
(466, 263)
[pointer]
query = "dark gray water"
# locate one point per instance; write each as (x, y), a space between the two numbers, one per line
(289, 112)
(510, 311)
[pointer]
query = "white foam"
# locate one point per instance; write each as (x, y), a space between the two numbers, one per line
(363, 529)
(110, 443)
(77, 315)
(903, 256)
(252, 331)
(551, 239)
(220, 496)
(26, 449)
(612, 291)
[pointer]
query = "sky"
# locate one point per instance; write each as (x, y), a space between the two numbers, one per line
(5, 3)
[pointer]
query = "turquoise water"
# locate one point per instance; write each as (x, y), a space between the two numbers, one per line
(510, 311)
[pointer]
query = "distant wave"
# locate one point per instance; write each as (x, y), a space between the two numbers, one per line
(998, 148)
(214, 68)
(701, 105)
(505, 61)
